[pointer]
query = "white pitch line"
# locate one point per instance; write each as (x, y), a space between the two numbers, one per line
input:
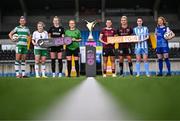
(88, 101)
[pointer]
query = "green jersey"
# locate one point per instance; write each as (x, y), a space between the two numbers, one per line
(23, 33)
(73, 34)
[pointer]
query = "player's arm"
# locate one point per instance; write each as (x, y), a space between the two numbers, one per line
(100, 39)
(147, 34)
(172, 33)
(49, 35)
(33, 40)
(78, 39)
(11, 33)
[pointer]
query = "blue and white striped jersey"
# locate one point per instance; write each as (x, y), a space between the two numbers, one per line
(142, 32)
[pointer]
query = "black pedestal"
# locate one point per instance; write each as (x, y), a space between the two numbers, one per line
(90, 60)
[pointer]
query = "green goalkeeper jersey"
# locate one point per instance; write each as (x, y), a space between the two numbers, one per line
(23, 33)
(73, 34)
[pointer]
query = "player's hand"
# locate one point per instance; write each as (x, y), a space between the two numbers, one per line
(35, 44)
(73, 39)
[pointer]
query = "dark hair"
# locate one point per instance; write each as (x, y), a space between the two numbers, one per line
(141, 19)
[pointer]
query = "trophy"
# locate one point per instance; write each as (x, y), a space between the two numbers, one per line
(90, 26)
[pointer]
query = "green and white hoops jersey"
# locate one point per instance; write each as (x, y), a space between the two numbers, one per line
(23, 33)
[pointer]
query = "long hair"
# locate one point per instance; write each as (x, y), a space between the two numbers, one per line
(164, 21)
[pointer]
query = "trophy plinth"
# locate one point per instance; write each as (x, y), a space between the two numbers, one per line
(90, 51)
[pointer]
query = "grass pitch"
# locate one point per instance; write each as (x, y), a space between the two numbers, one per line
(154, 98)
(23, 98)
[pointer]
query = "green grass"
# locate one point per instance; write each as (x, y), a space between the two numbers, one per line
(147, 98)
(23, 98)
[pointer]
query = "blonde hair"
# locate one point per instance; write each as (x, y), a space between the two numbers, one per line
(56, 17)
(164, 21)
(72, 20)
(41, 23)
(124, 17)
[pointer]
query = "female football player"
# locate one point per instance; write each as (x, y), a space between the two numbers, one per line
(125, 49)
(39, 52)
(21, 46)
(141, 48)
(108, 49)
(162, 48)
(54, 32)
(73, 48)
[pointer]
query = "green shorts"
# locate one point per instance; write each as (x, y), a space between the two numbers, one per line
(21, 49)
(40, 52)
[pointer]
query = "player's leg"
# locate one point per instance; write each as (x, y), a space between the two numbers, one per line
(129, 53)
(146, 63)
(69, 61)
(168, 64)
(18, 61)
(76, 60)
(130, 64)
(18, 65)
(23, 62)
(105, 58)
(121, 65)
(138, 61)
(53, 60)
(37, 62)
(60, 64)
(112, 58)
(160, 61)
(43, 63)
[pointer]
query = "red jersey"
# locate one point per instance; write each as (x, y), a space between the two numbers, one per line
(125, 32)
(108, 32)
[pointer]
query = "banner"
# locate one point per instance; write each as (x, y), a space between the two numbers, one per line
(123, 39)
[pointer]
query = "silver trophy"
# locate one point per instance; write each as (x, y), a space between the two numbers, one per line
(90, 26)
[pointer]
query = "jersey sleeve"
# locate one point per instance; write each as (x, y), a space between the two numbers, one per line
(102, 31)
(29, 33)
(79, 34)
(46, 35)
(117, 32)
(131, 31)
(14, 30)
(134, 31)
(50, 30)
(168, 29)
(147, 31)
(63, 31)
(34, 36)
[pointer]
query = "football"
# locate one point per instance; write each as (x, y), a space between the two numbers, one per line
(169, 35)
(15, 37)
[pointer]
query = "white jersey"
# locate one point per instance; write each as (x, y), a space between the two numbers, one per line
(39, 35)
(142, 32)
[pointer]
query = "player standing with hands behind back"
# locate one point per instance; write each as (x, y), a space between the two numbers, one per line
(21, 47)
(54, 32)
(73, 48)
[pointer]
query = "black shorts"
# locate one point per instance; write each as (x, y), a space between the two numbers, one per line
(125, 52)
(72, 52)
(108, 52)
(56, 49)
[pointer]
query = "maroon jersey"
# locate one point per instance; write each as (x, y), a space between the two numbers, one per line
(108, 32)
(124, 32)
